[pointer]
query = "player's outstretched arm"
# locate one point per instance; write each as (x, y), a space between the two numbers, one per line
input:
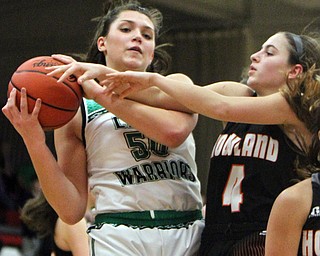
(206, 101)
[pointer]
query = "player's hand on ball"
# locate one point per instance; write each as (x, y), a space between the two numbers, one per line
(82, 70)
(63, 58)
(27, 124)
(60, 100)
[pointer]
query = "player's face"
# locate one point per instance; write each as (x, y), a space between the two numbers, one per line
(130, 42)
(269, 66)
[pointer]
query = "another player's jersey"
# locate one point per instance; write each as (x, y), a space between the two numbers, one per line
(130, 172)
(310, 238)
(250, 166)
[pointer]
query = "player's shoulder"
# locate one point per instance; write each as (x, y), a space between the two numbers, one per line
(298, 194)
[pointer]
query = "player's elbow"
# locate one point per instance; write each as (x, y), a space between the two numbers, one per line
(71, 220)
(175, 137)
(71, 217)
(174, 133)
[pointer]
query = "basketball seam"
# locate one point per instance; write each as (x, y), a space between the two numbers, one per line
(44, 103)
(44, 73)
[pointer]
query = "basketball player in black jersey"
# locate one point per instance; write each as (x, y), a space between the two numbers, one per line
(294, 223)
(254, 158)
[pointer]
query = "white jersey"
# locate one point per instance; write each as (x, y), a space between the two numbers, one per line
(130, 172)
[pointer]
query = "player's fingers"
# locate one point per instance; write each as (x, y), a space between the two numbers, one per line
(110, 89)
(63, 58)
(113, 75)
(23, 102)
(12, 97)
(54, 70)
(86, 76)
(36, 109)
(106, 90)
(9, 108)
(67, 73)
(108, 84)
(114, 81)
(126, 92)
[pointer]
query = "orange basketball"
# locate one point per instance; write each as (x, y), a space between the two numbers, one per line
(59, 100)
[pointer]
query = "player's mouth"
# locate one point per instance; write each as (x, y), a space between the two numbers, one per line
(251, 69)
(136, 48)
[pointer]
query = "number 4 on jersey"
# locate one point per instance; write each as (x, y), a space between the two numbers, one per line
(232, 195)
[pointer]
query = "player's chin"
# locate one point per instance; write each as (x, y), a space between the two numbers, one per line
(135, 64)
(251, 81)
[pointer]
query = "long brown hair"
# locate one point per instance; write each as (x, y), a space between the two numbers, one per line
(39, 216)
(303, 96)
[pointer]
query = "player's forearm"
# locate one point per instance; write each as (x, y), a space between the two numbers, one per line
(193, 97)
(166, 127)
(230, 88)
(153, 96)
(54, 184)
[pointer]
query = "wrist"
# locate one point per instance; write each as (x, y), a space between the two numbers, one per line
(92, 90)
(154, 78)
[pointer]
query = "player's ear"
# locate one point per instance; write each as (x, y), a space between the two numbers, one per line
(101, 44)
(295, 71)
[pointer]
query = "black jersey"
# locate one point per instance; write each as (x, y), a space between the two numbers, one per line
(310, 237)
(250, 166)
